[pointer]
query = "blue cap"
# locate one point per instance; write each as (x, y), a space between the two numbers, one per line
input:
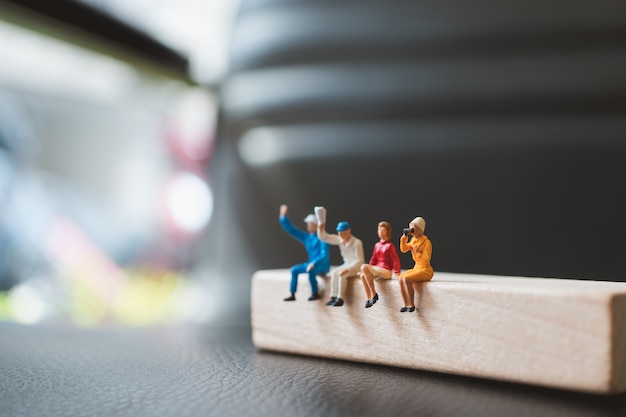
(343, 226)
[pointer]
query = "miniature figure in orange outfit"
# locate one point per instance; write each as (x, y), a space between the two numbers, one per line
(384, 262)
(421, 251)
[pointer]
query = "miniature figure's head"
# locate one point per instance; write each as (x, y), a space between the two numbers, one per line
(419, 225)
(384, 230)
(311, 223)
(344, 231)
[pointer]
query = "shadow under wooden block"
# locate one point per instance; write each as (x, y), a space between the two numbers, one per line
(567, 334)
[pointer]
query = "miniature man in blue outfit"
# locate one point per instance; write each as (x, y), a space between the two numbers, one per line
(319, 260)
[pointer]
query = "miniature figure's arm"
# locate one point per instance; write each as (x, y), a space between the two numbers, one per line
(374, 257)
(360, 258)
(320, 213)
(323, 255)
(293, 231)
(404, 244)
(325, 237)
(360, 251)
(395, 258)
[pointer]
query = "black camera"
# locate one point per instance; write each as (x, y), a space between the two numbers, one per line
(408, 231)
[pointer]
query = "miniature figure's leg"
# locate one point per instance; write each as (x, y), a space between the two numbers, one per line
(313, 281)
(377, 272)
(295, 271)
(408, 301)
(335, 280)
(368, 291)
(417, 287)
(418, 274)
(341, 286)
(342, 280)
(364, 282)
(368, 281)
(410, 294)
(409, 284)
(343, 283)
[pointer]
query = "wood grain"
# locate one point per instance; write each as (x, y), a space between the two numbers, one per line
(559, 333)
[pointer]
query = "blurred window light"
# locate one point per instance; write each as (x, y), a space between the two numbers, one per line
(189, 202)
(197, 28)
(37, 63)
(27, 305)
(269, 145)
(195, 120)
(262, 146)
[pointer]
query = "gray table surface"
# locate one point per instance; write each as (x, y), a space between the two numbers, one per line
(61, 371)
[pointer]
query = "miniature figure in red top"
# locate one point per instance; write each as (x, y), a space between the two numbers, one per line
(384, 260)
(421, 251)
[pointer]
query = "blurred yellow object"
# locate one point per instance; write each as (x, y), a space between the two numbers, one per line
(5, 311)
(147, 298)
(85, 308)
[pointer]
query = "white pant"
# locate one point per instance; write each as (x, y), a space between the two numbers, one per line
(339, 282)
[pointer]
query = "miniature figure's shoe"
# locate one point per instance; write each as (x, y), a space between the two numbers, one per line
(407, 309)
(292, 297)
(338, 302)
(374, 298)
(315, 296)
(331, 301)
(411, 309)
(368, 304)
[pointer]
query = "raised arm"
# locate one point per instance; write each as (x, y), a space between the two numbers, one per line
(325, 237)
(293, 231)
(404, 244)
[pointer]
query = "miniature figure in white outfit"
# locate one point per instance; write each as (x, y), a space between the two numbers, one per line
(351, 249)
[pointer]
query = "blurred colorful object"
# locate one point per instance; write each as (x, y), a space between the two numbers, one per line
(104, 190)
(147, 298)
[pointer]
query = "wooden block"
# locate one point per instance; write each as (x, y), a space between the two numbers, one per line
(559, 333)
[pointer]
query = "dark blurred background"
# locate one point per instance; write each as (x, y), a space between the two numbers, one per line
(502, 124)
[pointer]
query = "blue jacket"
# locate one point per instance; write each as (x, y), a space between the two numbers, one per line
(317, 250)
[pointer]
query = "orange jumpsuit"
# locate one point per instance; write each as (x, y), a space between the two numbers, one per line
(421, 251)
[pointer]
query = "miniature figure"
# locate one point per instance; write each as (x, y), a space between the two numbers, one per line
(421, 251)
(319, 260)
(351, 250)
(384, 260)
